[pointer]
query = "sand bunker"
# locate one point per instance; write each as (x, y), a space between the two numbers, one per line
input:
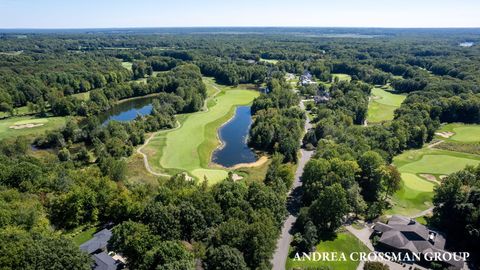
(445, 134)
(29, 125)
(257, 163)
(429, 177)
(236, 177)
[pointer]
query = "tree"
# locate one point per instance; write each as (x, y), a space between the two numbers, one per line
(22, 250)
(329, 209)
(224, 258)
(371, 178)
(375, 266)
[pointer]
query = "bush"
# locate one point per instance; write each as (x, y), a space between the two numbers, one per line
(375, 266)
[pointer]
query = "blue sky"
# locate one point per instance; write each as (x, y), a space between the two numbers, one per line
(178, 13)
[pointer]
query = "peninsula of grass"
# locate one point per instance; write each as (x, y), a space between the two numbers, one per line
(28, 125)
(270, 61)
(383, 104)
(344, 243)
(416, 166)
(189, 148)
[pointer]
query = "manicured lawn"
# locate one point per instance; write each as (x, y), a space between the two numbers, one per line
(416, 193)
(47, 123)
(463, 132)
(19, 111)
(342, 77)
(344, 242)
(84, 236)
(189, 148)
(382, 105)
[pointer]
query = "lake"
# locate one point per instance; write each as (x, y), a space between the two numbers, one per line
(128, 110)
(234, 136)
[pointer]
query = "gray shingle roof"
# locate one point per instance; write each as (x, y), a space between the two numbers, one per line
(98, 242)
(104, 262)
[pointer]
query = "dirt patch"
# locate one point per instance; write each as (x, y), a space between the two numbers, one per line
(236, 177)
(443, 177)
(257, 163)
(29, 125)
(429, 177)
(446, 134)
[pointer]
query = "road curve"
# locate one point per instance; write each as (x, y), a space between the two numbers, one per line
(293, 206)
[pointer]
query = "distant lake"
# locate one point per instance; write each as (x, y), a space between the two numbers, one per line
(234, 136)
(128, 110)
(466, 44)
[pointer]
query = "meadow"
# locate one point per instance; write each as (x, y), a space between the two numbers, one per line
(382, 105)
(189, 148)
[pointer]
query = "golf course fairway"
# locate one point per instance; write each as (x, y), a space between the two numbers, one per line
(383, 105)
(189, 147)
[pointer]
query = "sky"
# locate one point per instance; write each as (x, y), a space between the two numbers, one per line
(204, 13)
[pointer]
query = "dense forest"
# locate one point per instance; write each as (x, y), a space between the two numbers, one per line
(76, 176)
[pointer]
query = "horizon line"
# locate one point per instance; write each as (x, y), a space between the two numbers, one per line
(235, 26)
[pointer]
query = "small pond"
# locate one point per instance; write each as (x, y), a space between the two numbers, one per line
(234, 136)
(128, 110)
(466, 44)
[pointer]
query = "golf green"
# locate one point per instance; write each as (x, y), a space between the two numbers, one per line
(416, 193)
(189, 148)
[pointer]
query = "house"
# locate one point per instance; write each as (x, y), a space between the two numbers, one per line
(321, 96)
(402, 234)
(306, 78)
(98, 243)
(97, 248)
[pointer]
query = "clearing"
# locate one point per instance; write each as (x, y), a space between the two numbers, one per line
(383, 104)
(344, 242)
(418, 169)
(342, 77)
(189, 148)
(28, 125)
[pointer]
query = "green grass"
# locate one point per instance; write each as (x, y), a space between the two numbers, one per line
(82, 96)
(84, 236)
(49, 123)
(463, 132)
(189, 148)
(127, 65)
(344, 242)
(382, 105)
(271, 61)
(342, 77)
(416, 193)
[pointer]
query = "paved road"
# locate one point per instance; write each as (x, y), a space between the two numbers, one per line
(293, 205)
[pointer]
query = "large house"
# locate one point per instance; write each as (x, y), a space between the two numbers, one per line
(97, 248)
(306, 78)
(402, 234)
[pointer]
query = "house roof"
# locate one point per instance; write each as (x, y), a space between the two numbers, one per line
(104, 262)
(98, 242)
(406, 234)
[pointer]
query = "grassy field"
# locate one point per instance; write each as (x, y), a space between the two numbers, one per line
(127, 65)
(344, 242)
(271, 61)
(47, 123)
(189, 148)
(463, 132)
(416, 192)
(342, 77)
(382, 105)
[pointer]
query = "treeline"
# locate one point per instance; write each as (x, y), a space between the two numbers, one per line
(457, 207)
(233, 73)
(35, 77)
(185, 81)
(278, 121)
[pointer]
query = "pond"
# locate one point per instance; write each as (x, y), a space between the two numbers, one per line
(234, 134)
(128, 110)
(466, 44)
